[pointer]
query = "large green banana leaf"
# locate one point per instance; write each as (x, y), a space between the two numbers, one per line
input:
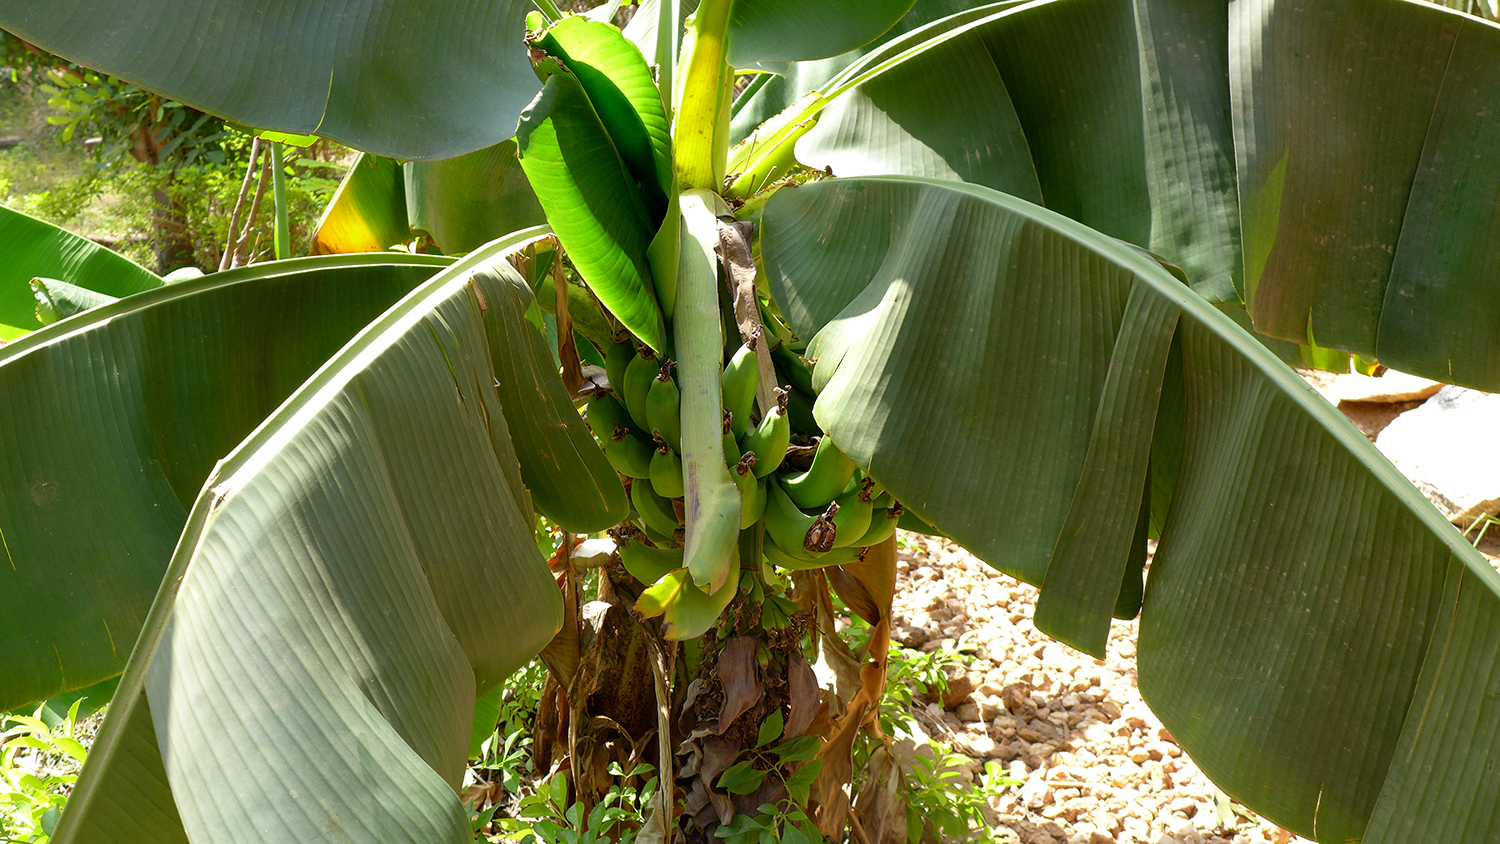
(31, 248)
(358, 71)
(1314, 633)
(116, 417)
(1366, 134)
(1361, 156)
(466, 202)
(351, 579)
(771, 93)
(113, 419)
(775, 32)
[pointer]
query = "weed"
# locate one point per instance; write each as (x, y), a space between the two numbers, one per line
(38, 767)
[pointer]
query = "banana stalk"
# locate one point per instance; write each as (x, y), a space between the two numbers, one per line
(711, 498)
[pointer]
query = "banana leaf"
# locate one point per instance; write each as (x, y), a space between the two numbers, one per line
(350, 580)
(356, 71)
(367, 212)
(1365, 134)
(1000, 367)
(466, 202)
(1352, 145)
(31, 248)
(113, 419)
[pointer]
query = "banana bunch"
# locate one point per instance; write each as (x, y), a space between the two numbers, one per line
(825, 514)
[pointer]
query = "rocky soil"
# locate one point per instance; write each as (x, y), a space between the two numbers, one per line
(1097, 766)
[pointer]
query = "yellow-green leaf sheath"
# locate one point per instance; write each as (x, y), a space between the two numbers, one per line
(712, 500)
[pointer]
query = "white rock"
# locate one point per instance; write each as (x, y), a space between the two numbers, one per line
(1448, 448)
(1389, 387)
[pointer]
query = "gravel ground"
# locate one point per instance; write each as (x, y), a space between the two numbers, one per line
(1097, 765)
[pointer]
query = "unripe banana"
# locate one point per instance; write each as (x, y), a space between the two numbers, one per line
(606, 414)
(785, 523)
(829, 473)
(648, 564)
(741, 377)
(752, 491)
(853, 518)
(638, 377)
(656, 512)
(793, 367)
(769, 441)
(664, 407)
(616, 361)
(798, 562)
(629, 454)
(885, 515)
(666, 471)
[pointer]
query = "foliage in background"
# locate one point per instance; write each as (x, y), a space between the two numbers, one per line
(147, 176)
(38, 767)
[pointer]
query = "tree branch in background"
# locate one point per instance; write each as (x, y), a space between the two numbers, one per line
(239, 206)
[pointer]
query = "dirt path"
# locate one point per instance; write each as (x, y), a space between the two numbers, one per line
(1097, 765)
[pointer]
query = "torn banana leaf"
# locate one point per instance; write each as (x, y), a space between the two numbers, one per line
(350, 580)
(997, 366)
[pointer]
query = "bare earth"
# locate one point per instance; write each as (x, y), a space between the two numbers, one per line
(1097, 765)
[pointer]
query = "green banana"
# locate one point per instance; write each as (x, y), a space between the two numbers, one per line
(606, 414)
(769, 441)
(752, 491)
(794, 367)
(666, 471)
(656, 512)
(786, 523)
(885, 515)
(616, 361)
(741, 377)
(795, 562)
(829, 473)
(664, 407)
(629, 454)
(638, 377)
(853, 517)
(648, 564)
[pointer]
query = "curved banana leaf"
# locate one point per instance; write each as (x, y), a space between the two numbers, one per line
(351, 579)
(615, 75)
(401, 78)
(465, 202)
(781, 90)
(31, 248)
(1000, 369)
(591, 202)
(1113, 112)
(763, 31)
(367, 212)
(116, 416)
(58, 300)
(1368, 170)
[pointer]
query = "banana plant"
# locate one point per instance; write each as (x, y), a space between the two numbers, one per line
(982, 271)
